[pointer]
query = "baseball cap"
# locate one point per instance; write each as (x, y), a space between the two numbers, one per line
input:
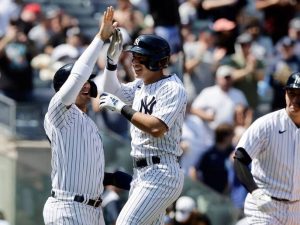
(224, 71)
(184, 206)
(33, 7)
(223, 24)
(295, 23)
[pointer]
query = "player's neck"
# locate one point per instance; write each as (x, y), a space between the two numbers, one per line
(153, 77)
(82, 107)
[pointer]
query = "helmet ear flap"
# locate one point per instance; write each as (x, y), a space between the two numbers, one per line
(93, 90)
(158, 65)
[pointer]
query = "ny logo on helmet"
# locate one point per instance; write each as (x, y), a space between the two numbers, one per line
(297, 81)
(136, 42)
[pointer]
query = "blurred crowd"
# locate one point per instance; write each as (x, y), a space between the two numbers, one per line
(232, 55)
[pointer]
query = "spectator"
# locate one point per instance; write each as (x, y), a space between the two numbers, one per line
(213, 167)
(193, 140)
(294, 34)
(226, 32)
(185, 206)
(30, 16)
(9, 10)
(262, 46)
(199, 63)
(277, 15)
(283, 66)
(16, 52)
(248, 69)
(228, 9)
(216, 104)
(188, 12)
(129, 18)
(166, 22)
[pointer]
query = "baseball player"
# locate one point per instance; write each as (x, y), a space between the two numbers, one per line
(77, 151)
(155, 105)
(272, 144)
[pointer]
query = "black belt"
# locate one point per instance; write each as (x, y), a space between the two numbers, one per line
(79, 198)
(140, 163)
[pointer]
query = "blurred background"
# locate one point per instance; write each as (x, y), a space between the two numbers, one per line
(257, 40)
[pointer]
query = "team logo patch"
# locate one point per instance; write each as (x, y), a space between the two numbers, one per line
(147, 105)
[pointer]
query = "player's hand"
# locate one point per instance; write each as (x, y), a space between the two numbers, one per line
(263, 201)
(107, 26)
(110, 102)
(115, 48)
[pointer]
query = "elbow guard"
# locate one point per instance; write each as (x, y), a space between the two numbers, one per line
(241, 155)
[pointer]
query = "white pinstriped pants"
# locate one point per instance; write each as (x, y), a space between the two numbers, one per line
(153, 189)
(60, 212)
(285, 213)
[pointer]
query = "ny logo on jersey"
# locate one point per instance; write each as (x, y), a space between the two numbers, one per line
(147, 106)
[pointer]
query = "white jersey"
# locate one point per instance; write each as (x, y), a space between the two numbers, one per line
(77, 151)
(273, 143)
(166, 100)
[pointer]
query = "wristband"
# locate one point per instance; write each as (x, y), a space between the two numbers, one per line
(110, 66)
(128, 112)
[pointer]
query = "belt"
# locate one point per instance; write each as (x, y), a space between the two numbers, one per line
(79, 198)
(143, 162)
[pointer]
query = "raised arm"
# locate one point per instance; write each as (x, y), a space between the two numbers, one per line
(83, 67)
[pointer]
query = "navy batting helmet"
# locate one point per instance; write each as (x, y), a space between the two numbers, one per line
(293, 80)
(62, 74)
(156, 49)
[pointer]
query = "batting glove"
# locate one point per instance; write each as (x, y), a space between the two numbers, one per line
(115, 48)
(110, 102)
(263, 201)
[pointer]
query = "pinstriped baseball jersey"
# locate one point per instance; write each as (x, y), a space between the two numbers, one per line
(155, 187)
(273, 143)
(165, 99)
(77, 151)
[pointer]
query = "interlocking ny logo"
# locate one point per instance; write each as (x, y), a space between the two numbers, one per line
(136, 42)
(147, 106)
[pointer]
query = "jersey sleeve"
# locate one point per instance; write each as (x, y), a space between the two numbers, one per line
(56, 111)
(127, 91)
(254, 138)
(171, 102)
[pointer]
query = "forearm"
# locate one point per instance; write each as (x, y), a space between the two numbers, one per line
(202, 114)
(211, 4)
(110, 82)
(262, 4)
(144, 122)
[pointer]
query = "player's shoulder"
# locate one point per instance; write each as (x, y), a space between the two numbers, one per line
(172, 80)
(270, 118)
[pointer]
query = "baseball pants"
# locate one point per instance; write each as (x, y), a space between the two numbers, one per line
(61, 212)
(285, 213)
(153, 189)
